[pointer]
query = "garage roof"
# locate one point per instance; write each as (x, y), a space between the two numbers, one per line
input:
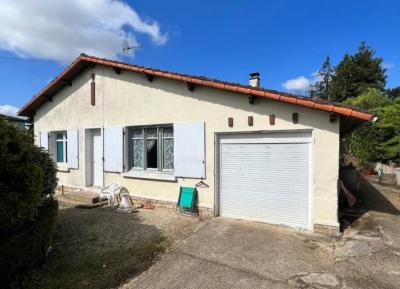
(84, 61)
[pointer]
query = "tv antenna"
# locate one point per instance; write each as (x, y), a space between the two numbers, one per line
(127, 48)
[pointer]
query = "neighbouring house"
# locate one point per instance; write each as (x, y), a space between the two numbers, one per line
(262, 155)
(16, 121)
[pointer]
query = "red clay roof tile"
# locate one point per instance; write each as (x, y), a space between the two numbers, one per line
(38, 99)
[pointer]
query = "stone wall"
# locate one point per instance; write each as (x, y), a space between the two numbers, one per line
(139, 202)
(204, 213)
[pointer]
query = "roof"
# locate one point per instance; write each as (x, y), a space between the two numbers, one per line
(13, 118)
(84, 61)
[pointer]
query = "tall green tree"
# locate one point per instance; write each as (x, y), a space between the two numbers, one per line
(389, 125)
(322, 88)
(356, 73)
(379, 140)
(394, 93)
(369, 100)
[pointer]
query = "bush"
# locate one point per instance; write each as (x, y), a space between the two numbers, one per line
(27, 182)
(380, 140)
(26, 248)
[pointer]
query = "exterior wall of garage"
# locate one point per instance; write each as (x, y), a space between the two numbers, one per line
(129, 99)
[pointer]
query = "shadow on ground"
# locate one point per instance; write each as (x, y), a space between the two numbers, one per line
(369, 198)
(97, 248)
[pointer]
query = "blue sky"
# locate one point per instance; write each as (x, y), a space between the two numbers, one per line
(283, 40)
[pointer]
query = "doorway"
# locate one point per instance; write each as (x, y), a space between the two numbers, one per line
(94, 158)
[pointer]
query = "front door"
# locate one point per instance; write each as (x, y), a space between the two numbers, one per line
(97, 159)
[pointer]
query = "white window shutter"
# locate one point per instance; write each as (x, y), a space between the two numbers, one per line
(52, 145)
(44, 140)
(73, 149)
(126, 150)
(189, 150)
(36, 139)
(114, 149)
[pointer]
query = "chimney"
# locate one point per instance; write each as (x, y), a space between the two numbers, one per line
(254, 79)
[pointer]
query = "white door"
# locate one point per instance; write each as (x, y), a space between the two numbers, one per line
(97, 158)
(266, 178)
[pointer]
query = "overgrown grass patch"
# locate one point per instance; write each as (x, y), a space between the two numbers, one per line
(98, 249)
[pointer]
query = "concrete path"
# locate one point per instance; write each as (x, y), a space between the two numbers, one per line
(383, 203)
(225, 253)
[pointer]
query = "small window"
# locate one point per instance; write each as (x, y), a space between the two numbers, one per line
(151, 148)
(61, 147)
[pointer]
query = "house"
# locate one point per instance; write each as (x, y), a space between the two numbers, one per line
(16, 121)
(261, 154)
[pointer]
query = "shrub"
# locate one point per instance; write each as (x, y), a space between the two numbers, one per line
(26, 248)
(27, 182)
(380, 140)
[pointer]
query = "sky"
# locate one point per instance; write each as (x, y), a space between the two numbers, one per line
(286, 41)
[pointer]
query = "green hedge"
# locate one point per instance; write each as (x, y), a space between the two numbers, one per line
(27, 209)
(26, 248)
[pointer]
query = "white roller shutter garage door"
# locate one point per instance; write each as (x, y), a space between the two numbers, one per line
(266, 178)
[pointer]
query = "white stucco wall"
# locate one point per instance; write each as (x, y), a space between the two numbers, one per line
(129, 99)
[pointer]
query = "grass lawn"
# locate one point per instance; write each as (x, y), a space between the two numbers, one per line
(100, 248)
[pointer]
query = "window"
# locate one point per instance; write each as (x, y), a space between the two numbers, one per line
(61, 147)
(168, 148)
(151, 148)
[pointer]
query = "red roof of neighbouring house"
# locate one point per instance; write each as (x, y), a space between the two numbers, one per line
(84, 61)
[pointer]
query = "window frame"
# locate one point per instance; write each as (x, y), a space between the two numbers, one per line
(160, 147)
(64, 141)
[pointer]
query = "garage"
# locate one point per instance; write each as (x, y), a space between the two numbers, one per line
(266, 177)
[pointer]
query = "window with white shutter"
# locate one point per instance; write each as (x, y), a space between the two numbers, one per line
(36, 139)
(44, 140)
(58, 146)
(114, 149)
(72, 149)
(189, 152)
(53, 146)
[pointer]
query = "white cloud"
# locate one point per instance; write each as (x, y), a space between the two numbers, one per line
(388, 65)
(299, 84)
(55, 30)
(8, 110)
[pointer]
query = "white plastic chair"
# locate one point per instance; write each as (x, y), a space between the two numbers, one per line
(110, 193)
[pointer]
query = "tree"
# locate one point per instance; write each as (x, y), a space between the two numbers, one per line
(364, 142)
(27, 210)
(27, 173)
(380, 140)
(394, 93)
(389, 125)
(370, 99)
(356, 73)
(322, 88)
